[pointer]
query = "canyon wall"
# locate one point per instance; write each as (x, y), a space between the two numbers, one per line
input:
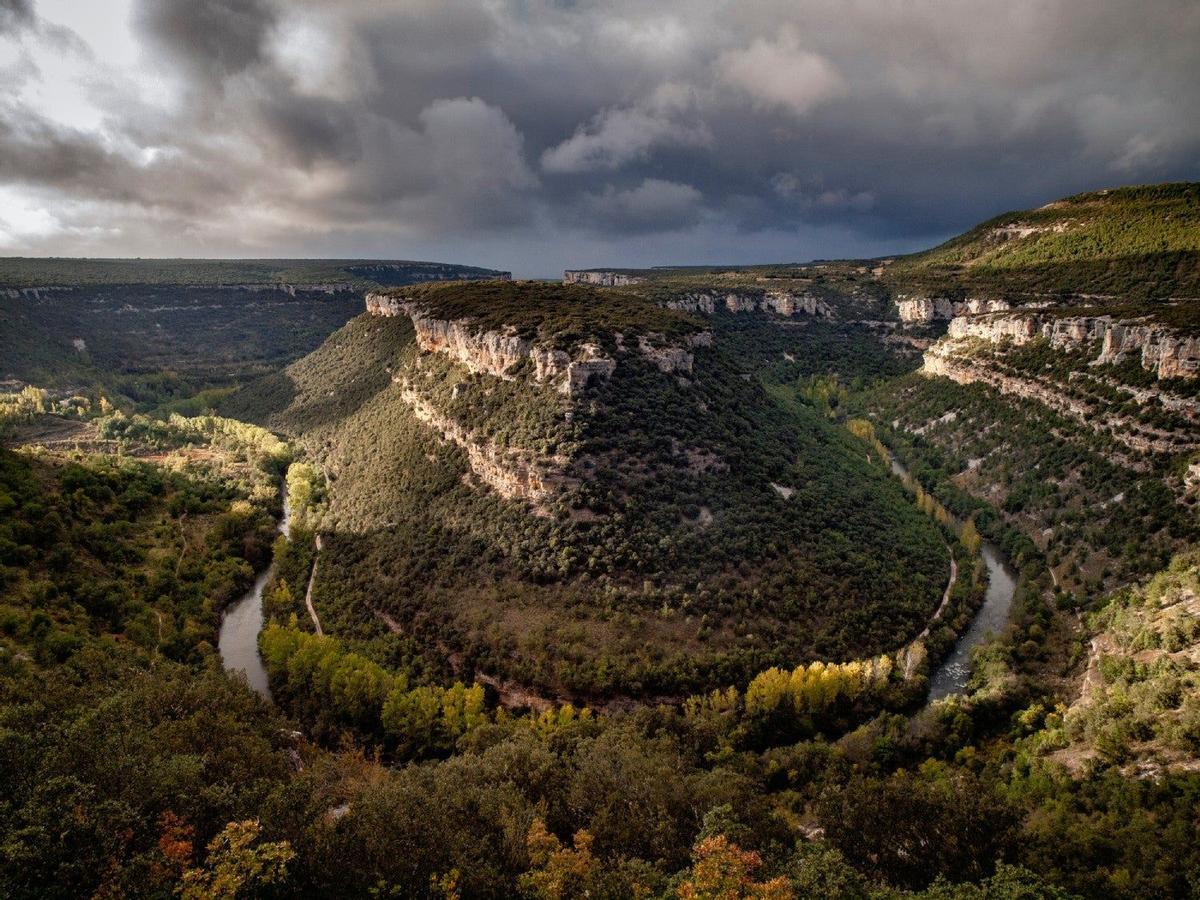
(941, 359)
(600, 279)
(923, 310)
(513, 473)
(1160, 350)
(499, 353)
(782, 303)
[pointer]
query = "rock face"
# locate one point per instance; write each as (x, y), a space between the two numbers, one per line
(941, 359)
(781, 303)
(1166, 353)
(490, 352)
(500, 353)
(600, 279)
(923, 310)
(512, 473)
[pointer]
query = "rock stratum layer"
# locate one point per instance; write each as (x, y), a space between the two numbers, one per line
(923, 310)
(600, 279)
(782, 303)
(501, 353)
(1160, 350)
(976, 349)
(513, 473)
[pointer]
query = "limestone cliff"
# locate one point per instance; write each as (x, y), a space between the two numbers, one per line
(501, 353)
(1160, 350)
(600, 279)
(923, 310)
(781, 303)
(1101, 418)
(511, 472)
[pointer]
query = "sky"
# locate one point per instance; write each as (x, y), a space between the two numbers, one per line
(537, 135)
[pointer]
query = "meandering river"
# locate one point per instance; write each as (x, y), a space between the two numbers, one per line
(951, 676)
(243, 620)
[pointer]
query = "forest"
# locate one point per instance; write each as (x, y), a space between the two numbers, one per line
(669, 522)
(699, 671)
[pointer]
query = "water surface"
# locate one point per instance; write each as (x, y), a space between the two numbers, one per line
(951, 676)
(243, 620)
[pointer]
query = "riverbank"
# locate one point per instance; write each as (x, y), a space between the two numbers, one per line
(237, 641)
(953, 673)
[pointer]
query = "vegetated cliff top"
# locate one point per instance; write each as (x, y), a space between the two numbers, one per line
(546, 310)
(553, 550)
(28, 272)
(1141, 242)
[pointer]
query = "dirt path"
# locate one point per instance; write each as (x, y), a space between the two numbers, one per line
(945, 595)
(308, 601)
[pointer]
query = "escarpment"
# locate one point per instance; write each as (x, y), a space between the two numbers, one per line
(505, 353)
(923, 310)
(513, 473)
(781, 303)
(1001, 349)
(569, 361)
(1164, 352)
(599, 278)
(1098, 416)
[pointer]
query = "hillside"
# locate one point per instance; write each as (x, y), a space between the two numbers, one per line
(1132, 243)
(41, 272)
(1072, 408)
(585, 493)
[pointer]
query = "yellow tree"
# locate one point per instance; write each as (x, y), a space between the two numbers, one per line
(970, 537)
(558, 871)
(721, 870)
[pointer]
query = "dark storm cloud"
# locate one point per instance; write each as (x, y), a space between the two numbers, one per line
(216, 38)
(689, 124)
(15, 12)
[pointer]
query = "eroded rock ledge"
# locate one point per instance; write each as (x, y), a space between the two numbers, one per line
(923, 310)
(782, 303)
(1166, 353)
(600, 279)
(943, 359)
(513, 473)
(501, 353)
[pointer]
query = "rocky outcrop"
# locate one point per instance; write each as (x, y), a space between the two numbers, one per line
(781, 303)
(513, 473)
(693, 303)
(600, 279)
(785, 303)
(499, 353)
(923, 310)
(943, 359)
(672, 358)
(1161, 350)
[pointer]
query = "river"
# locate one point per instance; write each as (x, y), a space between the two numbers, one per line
(951, 676)
(243, 620)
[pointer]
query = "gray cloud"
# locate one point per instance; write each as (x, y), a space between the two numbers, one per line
(215, 38)
(547, 129)
(653, 205)
(14, 13)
